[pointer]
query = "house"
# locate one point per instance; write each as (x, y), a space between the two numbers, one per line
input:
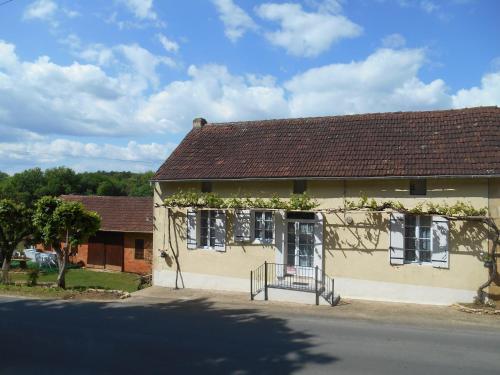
(438, 157)
(124, 241)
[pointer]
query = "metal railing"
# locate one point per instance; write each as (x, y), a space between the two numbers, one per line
(304, 279)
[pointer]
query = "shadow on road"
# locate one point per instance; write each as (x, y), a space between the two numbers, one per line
(190, 337)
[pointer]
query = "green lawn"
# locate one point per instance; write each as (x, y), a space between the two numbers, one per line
(82, 278)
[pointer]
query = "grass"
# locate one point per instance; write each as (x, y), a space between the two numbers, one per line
(83, 279)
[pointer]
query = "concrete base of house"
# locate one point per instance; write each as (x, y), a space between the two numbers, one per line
(345, 287)
(284, 295)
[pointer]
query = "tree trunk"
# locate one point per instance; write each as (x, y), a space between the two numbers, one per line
(62, 262)
(5, 269)
(481, 294)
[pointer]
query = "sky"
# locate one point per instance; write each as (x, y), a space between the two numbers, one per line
(115, 84)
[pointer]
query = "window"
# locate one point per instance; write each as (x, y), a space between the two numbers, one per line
(263, 225)
(206, 187)
(417, 239)
(139, 249)
(207, 228)
(299, 186)
(418, 187)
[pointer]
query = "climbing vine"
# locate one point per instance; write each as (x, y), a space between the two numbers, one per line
(193, 198)
(458, 209)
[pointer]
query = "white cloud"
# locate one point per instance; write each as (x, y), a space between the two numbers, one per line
(86, 156)
(304, 33)
(77, 99)
(487, 94)
(236, 20)
(386, 81)
(40, 9)
(393, 41)
(144, 62)
(142, 9)
(168, 44)
(428, 6)
(214, 93)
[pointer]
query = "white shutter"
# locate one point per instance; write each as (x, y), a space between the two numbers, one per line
(242, 225)
(220, 231)
(318, 240)
(440, 231)
(191, 229)
(279, 241)
(397, 238)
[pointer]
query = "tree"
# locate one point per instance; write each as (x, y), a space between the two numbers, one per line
(15, 226)
(59, 181)
(110, 187)
(24, 187)
(63, 226)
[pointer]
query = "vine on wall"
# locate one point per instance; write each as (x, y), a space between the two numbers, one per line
(193, 198)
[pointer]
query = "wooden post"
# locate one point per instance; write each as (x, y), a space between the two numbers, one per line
(316, 284)
(265, 281)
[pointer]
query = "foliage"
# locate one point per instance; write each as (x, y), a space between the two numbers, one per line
(57, 221)
(32, 184)
(33, 275)
(15, 226)
(193, 198)
(458, 209)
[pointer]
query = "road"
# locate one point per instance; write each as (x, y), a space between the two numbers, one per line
(196, 336)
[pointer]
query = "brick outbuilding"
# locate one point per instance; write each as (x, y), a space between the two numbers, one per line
(125, 240)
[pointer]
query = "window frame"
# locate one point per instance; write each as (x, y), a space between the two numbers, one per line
(211, 215)
(260, 240)
(138, 248)
(417, 238)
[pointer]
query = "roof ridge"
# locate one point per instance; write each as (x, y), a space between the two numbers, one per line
(354, 115)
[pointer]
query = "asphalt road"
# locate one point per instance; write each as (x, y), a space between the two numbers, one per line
(198, 337)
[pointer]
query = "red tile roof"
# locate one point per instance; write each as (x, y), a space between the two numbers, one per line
(461, 142)
(119, 214)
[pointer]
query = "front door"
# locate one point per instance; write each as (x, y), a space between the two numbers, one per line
(300, 244)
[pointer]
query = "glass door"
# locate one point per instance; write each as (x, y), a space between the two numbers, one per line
(300, 244)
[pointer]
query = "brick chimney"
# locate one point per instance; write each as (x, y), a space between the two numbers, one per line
(199, 122)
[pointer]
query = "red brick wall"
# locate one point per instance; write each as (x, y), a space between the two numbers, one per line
(138, 265)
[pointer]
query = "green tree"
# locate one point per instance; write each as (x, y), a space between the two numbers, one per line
(60, 181)
(15, 226)
(63, 226)
(25, 187)
(110, 187)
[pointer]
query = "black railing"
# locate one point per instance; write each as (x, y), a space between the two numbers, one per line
(281, 276)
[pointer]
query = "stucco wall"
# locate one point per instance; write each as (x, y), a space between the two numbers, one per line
(357, 251)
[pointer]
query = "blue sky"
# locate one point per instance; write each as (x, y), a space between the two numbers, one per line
(114, 85)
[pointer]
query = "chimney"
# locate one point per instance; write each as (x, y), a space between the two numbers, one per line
(199, 122)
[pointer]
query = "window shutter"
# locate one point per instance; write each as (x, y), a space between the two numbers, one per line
(318, 240)
(191, 236)
(220, 231)
(242, 225)
(397, 238)
(279, 241)
(440, 231)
